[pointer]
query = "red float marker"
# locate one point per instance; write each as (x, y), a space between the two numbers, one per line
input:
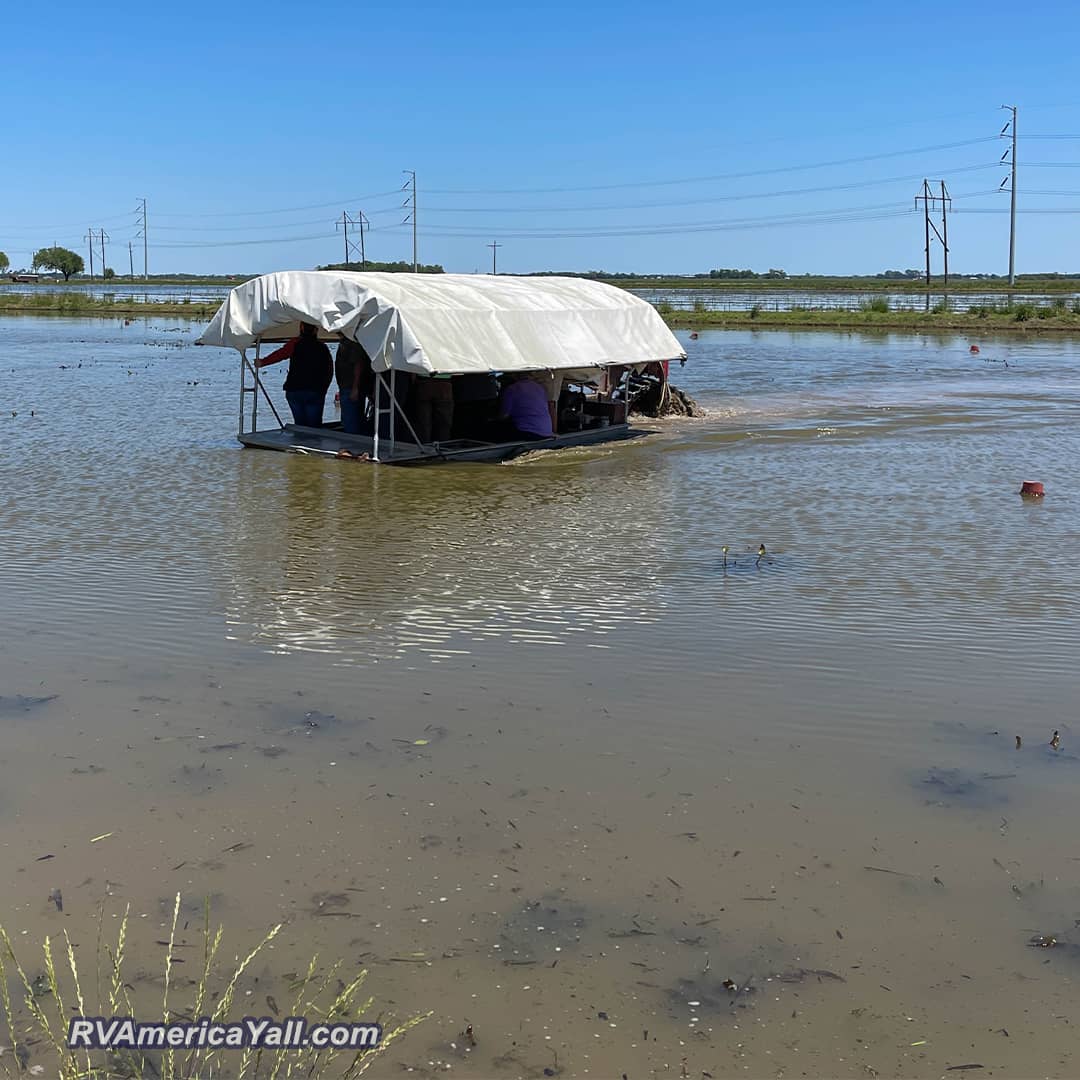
(974, 349)
(1030, 489)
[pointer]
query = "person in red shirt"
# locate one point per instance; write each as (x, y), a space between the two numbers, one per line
(311, 369)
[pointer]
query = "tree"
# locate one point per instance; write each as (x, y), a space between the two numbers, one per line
(401, 267)
(57, 258)
(5, 262)
(109, 274)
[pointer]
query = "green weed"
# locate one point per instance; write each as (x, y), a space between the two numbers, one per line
(37, 1026)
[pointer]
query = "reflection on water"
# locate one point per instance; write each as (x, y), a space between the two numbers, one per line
(377, 564)
(558, 758)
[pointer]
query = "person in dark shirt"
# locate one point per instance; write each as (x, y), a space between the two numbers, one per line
(310, 370)
(352, 369)
(432, 407)
(475, 398)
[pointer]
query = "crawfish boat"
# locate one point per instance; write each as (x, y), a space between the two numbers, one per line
(585, 336)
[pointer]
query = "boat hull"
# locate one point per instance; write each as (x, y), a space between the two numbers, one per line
(293, 438)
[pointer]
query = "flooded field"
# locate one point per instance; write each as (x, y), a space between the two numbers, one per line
(684, 299)
(516, 739)
(727, 299)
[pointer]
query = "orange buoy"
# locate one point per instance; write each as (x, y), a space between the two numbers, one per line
(1031, 489)
(974, 349)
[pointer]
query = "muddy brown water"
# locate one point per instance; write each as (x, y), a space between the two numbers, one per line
(513, 738)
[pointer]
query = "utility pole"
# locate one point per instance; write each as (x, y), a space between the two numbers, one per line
(929, 202)
(140, 220)
(1012, 193)
(411, 203)
(494, 250)
(945, 200)
(344, 223)
(131, 263)
(363, 256)
(926, 213)
(89, 238)
(103, 236)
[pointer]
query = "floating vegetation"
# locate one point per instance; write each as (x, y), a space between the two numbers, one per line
(541, 929)
(958, 787)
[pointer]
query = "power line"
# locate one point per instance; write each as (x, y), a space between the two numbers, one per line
(685, 228)
(716, 176)
(282, 209)
(739, 197)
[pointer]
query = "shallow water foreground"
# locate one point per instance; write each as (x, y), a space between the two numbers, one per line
(515, 738)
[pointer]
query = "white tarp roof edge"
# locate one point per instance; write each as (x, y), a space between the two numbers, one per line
(452, 323)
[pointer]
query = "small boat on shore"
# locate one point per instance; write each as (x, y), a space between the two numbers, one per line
(585, 338)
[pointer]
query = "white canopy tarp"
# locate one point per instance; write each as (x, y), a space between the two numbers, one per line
(451, 323)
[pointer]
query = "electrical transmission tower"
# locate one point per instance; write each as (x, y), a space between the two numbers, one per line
(494, 251)
(90, 237)
(410, 202)
(359, 221)
(140, 220)
(933, 204)
(102, 238)
(1011, 181)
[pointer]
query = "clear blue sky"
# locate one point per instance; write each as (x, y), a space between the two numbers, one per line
(244, 123)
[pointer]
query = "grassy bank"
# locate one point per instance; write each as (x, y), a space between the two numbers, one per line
(79, 303)
(877, 315)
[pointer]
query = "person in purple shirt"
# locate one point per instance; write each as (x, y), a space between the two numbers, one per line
(524, 412)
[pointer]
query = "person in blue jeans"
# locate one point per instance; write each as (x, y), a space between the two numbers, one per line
(311, 369)
(355, 378)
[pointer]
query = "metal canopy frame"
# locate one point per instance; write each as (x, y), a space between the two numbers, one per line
(251, 384)
(254, 388)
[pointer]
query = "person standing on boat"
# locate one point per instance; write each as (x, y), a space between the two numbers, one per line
(433, 407)
(310, 370)
(355, 378)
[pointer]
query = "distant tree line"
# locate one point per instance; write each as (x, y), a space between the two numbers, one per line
(400, 267)
(742, 275)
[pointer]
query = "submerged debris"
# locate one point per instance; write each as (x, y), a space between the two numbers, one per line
(19, 703)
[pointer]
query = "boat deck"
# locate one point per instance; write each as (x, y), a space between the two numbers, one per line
(329, 440)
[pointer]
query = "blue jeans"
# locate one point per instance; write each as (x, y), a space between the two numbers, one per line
(352, 414)
(306, 406)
